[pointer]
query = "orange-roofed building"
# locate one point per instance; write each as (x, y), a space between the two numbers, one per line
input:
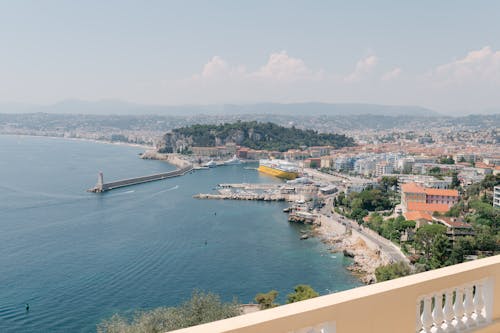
(417, 216)
(420, 217)
(417, 198)
(427, 207)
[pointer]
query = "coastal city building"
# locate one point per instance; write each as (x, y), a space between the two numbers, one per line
(417, 198)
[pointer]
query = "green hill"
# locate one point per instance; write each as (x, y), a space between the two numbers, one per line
(255, 135)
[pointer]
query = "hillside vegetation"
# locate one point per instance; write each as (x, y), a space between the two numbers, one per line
(255, 135)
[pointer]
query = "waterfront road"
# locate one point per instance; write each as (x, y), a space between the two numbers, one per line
(390, 249)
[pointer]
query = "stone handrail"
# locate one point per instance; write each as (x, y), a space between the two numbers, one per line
(460, 298)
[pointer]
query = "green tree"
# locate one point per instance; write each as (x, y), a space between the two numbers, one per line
(446, 160)
(440, 250)
(392, 271)
(266, 300)
(435, 170)
(201, 308)
(388, 182)
(455, 182)
(425, 237)
(461, 247)
(485, 240)
(302, 292)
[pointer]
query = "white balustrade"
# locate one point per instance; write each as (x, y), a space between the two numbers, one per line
(464, 309)
(449, 315)
(419, 318)
(459, 309)
(438, 314)
(427, 321)
(479, 303)
(460, 299)
(469, 307)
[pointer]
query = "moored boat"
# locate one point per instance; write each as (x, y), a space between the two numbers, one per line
(232, 161)
(210, 164)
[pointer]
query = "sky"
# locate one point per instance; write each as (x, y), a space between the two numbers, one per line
(443, 55)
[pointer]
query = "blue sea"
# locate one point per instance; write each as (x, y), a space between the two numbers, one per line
(78, 258)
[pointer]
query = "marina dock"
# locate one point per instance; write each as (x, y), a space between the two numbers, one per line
(101, 186)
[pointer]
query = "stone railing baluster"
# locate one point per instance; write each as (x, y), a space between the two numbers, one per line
(449, 314)
(437, 314)
(458, 308)
(479, 302)
(469, 306)
(427, 314)
(418, 318)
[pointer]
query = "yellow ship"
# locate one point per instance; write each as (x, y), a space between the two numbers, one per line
(279, 168)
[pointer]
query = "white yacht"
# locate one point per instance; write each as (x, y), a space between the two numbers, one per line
(233, 160)
(210, 164)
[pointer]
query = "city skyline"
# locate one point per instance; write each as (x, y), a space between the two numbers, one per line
(443, 56)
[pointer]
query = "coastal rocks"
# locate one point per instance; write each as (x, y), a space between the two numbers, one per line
(349, 253)
(173, 159)
(365, 259)
(154, 155)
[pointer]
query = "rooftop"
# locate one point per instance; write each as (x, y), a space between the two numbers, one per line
(418, 215)
(416, 188)
(427, 207)
(453, 222)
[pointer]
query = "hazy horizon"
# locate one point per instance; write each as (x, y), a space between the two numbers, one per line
(441, 56)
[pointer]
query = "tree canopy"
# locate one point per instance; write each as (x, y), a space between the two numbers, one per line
(302, 292)
(201, 308)
(258, 135)
(392, 271)
(266, 300)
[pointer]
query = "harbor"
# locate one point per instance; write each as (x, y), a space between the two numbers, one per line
(101, 186)
(261, 192)
(182, 165)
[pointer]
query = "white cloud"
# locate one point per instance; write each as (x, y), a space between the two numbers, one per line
(362, 69)
(282, 67)
(469, 82)
(279, 67)
(215, 67)
(477, 66)
(391, 75)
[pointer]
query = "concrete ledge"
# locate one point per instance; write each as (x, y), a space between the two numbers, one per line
(383, 307)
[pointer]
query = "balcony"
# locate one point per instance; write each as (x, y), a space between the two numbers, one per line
(460, 298)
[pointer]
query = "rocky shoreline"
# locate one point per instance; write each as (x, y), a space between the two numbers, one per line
(173, 159)
(365, 255)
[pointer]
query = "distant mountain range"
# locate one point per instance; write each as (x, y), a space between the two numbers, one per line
(117, 107)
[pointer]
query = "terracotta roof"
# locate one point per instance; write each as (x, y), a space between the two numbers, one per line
(437, 191)
(453, 222)
(412, 188)
(426, 207)
(418, 215)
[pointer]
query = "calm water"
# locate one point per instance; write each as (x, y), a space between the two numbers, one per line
(77, 257)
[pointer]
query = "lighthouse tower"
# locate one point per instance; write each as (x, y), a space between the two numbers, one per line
(100, 181)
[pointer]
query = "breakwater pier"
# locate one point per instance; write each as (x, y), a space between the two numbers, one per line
(101, 186)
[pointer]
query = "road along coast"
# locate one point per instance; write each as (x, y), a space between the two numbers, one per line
(366, 254)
